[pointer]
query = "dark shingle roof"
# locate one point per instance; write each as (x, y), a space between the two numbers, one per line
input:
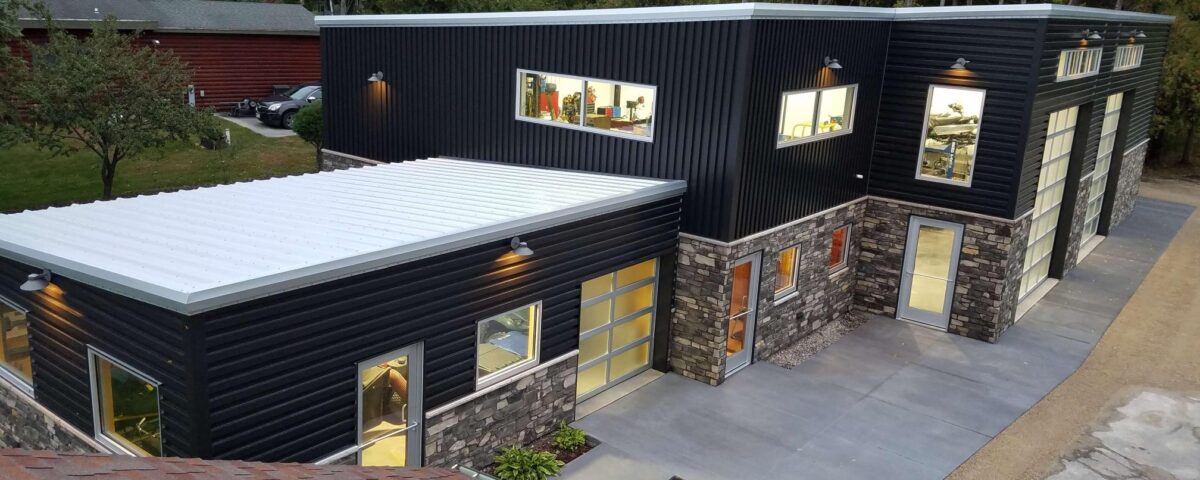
(44, 465)
(189, 15)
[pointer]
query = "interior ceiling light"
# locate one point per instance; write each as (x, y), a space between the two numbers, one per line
(832, 63)
(36, 281)
(519, 247)
(960, 64)
(375, 77)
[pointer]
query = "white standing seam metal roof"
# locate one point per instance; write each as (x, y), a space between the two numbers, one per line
(196, 250)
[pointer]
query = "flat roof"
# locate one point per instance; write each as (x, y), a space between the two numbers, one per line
(197, 250)
(738, 11)
(193, 16)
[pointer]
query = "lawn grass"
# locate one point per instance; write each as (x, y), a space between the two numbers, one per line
(31, 178)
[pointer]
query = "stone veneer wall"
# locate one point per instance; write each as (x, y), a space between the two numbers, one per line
(1127, 183)
(335, 161)
(704, 280)
(30, 426)
(989, 268)
(515, 414)
(1078, 219)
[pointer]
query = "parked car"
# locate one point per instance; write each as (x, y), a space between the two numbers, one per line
(278, 110)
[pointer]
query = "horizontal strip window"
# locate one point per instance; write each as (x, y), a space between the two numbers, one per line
(810, 115)
(608, 107)
(1078, 63)
(1128, 57)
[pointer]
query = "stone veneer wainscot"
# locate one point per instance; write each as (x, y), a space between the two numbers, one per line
(25, 424)
(1127, 183)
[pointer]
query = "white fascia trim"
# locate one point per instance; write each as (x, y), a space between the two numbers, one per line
(498, 385)
(734, 11)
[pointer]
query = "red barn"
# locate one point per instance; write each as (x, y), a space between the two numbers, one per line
(236, 49)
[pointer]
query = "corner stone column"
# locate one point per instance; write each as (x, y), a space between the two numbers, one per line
(698, 329)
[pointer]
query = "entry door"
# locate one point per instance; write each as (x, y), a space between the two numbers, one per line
(930, 263)
(742, 313)
(389, 409)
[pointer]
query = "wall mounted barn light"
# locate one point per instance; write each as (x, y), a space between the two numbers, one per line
(375, 77)
(519, 247)
(1088, 34)
(1134, 34)
(832, 63)
(960, 64)
(36, 281)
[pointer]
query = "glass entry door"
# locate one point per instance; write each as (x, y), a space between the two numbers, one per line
(930, 263)
(389, 409)
(743, 305)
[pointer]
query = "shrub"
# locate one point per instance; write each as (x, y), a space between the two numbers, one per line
(518, 463)
(308, 125)
(569, 438)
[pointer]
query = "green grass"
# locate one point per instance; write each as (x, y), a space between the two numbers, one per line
(31, 178)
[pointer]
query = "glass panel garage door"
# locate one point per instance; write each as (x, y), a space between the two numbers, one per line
(1059, 136)
(1108, 137)
(616, 325)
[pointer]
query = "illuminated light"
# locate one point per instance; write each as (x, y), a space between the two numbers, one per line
(375, 77)
(1088, 34)
(36, 281)
(960, 64)
(519, 247)
(832, 63)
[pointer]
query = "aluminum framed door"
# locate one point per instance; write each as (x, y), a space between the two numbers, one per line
(930, 264)
(389, 408)
(616, 323)
(743, 313)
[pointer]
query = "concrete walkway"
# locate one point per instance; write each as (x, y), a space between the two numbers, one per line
(258, 127)
(889, 400)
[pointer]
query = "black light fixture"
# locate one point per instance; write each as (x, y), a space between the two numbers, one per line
(960, 64)
(519, 247)
(1090, 34)
(1134, 34)
(36, 281)
(832, 63)
(375, 77)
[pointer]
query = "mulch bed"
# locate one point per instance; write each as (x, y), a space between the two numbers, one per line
(546, 444)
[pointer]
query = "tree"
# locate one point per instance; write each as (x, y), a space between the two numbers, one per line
(106, 94)
(9, 73)
(308, 125)
(1177, 111)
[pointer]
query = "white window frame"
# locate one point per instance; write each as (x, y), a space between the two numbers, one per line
(845, 248)
(11, 377)
(785, 294)
(1128, 57)
(516, 368)
(1066, 59)
(520, 93)
(817, 111)
(925, 131)
(97, 422)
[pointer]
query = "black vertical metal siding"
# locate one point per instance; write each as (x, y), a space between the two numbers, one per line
(281, 370)
(1002, 54)
(1052, 96)
(65, 320)
(452, 91)
(778, 185)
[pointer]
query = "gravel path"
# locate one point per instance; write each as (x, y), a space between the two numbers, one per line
(815, 342)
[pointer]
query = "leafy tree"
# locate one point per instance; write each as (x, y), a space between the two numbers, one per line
(1177, 111)
(106, 94)
(307, 124)
(9, 72)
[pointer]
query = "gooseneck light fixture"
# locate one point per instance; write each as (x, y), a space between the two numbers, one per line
(36, 281)
(832, 63)
(375, 77)
(1134, 34)
(1090, 34)
(960, 64)
(519, 247)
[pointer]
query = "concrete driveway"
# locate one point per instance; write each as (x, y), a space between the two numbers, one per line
(889, 400)
(258, 127)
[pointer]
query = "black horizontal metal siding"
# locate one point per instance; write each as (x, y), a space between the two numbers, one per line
(1052, 95)
(451, 91)
(65, 320)
(1002, 55)
(282, 369)
(780, 185)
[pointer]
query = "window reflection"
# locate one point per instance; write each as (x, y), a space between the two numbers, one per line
(951, 133)
(506, 342)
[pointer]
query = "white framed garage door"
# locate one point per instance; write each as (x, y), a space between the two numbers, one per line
(1104, 154)
(1051, 182)
(616, 327)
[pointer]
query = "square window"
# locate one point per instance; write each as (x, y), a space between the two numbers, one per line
(14, 346)
(815, 114)
(951, 134)
(839, 248)
(126, 407)
(507, 344)
(785, 272)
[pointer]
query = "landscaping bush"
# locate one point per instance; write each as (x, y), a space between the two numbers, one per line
(518, 463)
(569, 438)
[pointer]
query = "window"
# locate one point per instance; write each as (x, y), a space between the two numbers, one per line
(785, 272)
(839, 248)
(507, 344)
(1128, 57)
(815, 114)
(1104, 154)
(614, 108)
(14, 346)
(125, 407)
(1078, 63)
(616, 327)
(951, 134)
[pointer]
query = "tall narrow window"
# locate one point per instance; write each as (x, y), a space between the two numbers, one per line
(1060, 137)
(507, 344)
(14, 346)
(839, 248)
(1128, 57)
(785, 272)
(1078, 63)
(951, 134)
(615, 108)
(815, 114)
(125, 407)
(1104, 154)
